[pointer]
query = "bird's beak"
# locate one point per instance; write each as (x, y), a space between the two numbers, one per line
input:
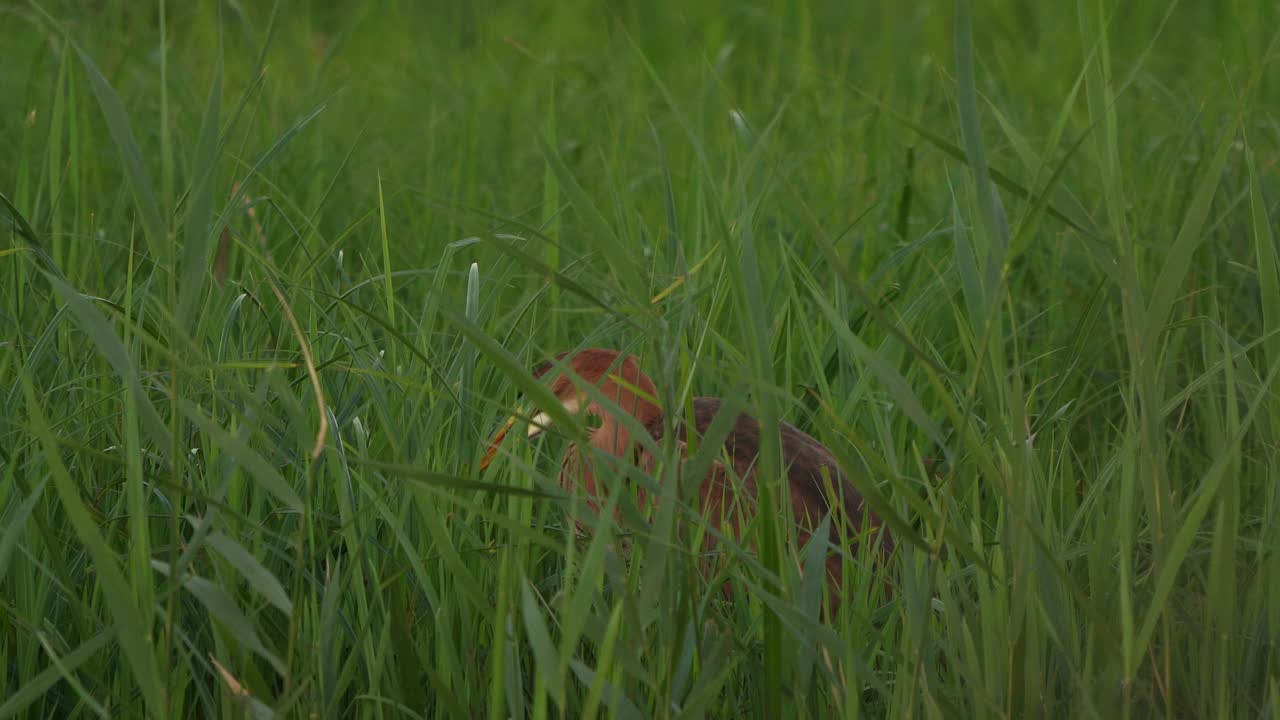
(537, 424)
(497, 440)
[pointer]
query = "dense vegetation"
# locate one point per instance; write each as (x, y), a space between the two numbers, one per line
(270, 278)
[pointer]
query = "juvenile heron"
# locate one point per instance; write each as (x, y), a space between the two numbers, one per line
(727, 496)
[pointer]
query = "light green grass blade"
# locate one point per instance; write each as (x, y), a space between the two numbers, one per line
(388, 289)
(466, 420)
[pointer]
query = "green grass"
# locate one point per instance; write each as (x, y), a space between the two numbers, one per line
(270, 279)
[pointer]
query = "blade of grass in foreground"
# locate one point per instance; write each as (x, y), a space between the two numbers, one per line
(755, 327)
(135, 630)
(21, 225)
(501, 624)
(554, 277)
(139, 566)
(544, 650)
(575, 603)
(514, 370)
(466, 437)
(598, 676)
(388, 289)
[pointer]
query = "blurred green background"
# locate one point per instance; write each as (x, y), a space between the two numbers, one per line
(275, 274)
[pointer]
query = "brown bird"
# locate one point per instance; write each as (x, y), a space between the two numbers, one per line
(727, 498)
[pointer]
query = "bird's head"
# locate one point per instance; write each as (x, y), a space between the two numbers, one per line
(617, 377)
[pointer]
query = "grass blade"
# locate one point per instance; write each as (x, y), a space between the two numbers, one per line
(545, 654)
(222, 608)
(144, 194)
(198, 237)
(1178, 259)
(994, 232)
(258, 576)
(130, 620)
(38, 685)
(612, 246)
(436, 479)
(95, 325)
(14, 524)
(1203, 502)
(896, 385)
(257, 466)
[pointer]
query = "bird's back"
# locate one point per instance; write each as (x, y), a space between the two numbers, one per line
(804, 458)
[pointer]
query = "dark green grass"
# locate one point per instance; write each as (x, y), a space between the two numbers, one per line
(272, 278)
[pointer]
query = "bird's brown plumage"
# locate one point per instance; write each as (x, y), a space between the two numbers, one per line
(727, 496)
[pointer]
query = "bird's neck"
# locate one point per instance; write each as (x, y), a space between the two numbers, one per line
(612, 438)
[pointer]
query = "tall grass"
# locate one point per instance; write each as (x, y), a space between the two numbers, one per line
(272, 276)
